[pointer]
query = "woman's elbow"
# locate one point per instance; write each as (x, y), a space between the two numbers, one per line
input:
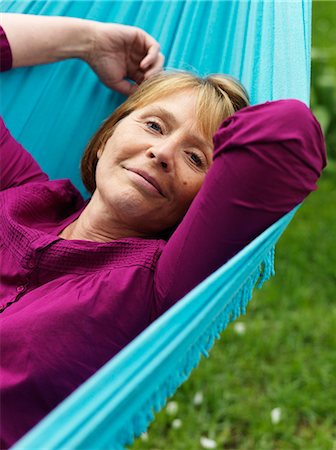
(299, 125)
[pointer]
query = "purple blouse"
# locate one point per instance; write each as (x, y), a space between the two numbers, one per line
(68, 306)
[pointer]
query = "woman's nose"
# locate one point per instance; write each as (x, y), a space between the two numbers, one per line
(164, 155)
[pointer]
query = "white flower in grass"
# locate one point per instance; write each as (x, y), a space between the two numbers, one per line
(172, 408)
(239, 328)
(176, 423)
(208, 443)
(198, 399)
(276, 415)
(144, 436)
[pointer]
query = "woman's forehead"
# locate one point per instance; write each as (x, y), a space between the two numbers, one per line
(187, 99)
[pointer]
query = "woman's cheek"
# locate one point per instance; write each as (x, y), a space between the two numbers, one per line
(191, 187)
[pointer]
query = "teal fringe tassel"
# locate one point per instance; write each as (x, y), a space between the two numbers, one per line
(235, 307)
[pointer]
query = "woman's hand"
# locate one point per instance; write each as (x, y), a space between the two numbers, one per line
(119, 52)
(115, 52)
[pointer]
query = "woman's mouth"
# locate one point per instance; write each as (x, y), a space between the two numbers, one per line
(146, 181)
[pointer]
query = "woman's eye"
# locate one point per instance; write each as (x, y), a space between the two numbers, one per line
(196, 159)
(154, 126)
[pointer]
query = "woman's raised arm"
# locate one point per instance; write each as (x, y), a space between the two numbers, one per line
(114, 52)
(267, 159)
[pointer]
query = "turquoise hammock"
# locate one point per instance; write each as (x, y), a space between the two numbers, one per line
(53, 108)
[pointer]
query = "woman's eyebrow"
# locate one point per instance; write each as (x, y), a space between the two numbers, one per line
(165, 113)
(160, 111)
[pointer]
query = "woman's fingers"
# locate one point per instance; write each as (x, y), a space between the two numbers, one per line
(155, 68)
(151, 57)
(124, 87)
(151, 51)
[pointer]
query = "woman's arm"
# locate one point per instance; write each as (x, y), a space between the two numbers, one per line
(267, 159)
(42, 39)
(114, 52)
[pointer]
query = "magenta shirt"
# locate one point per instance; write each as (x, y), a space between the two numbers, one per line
(68, 306)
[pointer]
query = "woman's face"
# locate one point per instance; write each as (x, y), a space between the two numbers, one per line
(162, 143)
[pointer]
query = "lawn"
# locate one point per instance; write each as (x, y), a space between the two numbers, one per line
(270, 382)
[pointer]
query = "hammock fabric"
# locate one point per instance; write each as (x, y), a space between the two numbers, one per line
(265, 44)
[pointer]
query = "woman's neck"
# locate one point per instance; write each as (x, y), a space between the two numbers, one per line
(97, 224)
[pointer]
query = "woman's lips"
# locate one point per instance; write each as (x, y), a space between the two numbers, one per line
(147, 181)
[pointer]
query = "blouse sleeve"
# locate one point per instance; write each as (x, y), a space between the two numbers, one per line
(17, 166)
(267, 159)
(6, 59)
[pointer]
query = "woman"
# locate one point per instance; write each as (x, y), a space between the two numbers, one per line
(169, 205)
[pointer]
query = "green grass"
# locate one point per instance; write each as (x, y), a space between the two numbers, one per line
(285, 359)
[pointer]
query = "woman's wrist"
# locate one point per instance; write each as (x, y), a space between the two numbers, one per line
(89, 36)
(78, 39)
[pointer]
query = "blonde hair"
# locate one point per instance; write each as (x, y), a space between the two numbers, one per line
(219, 96)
